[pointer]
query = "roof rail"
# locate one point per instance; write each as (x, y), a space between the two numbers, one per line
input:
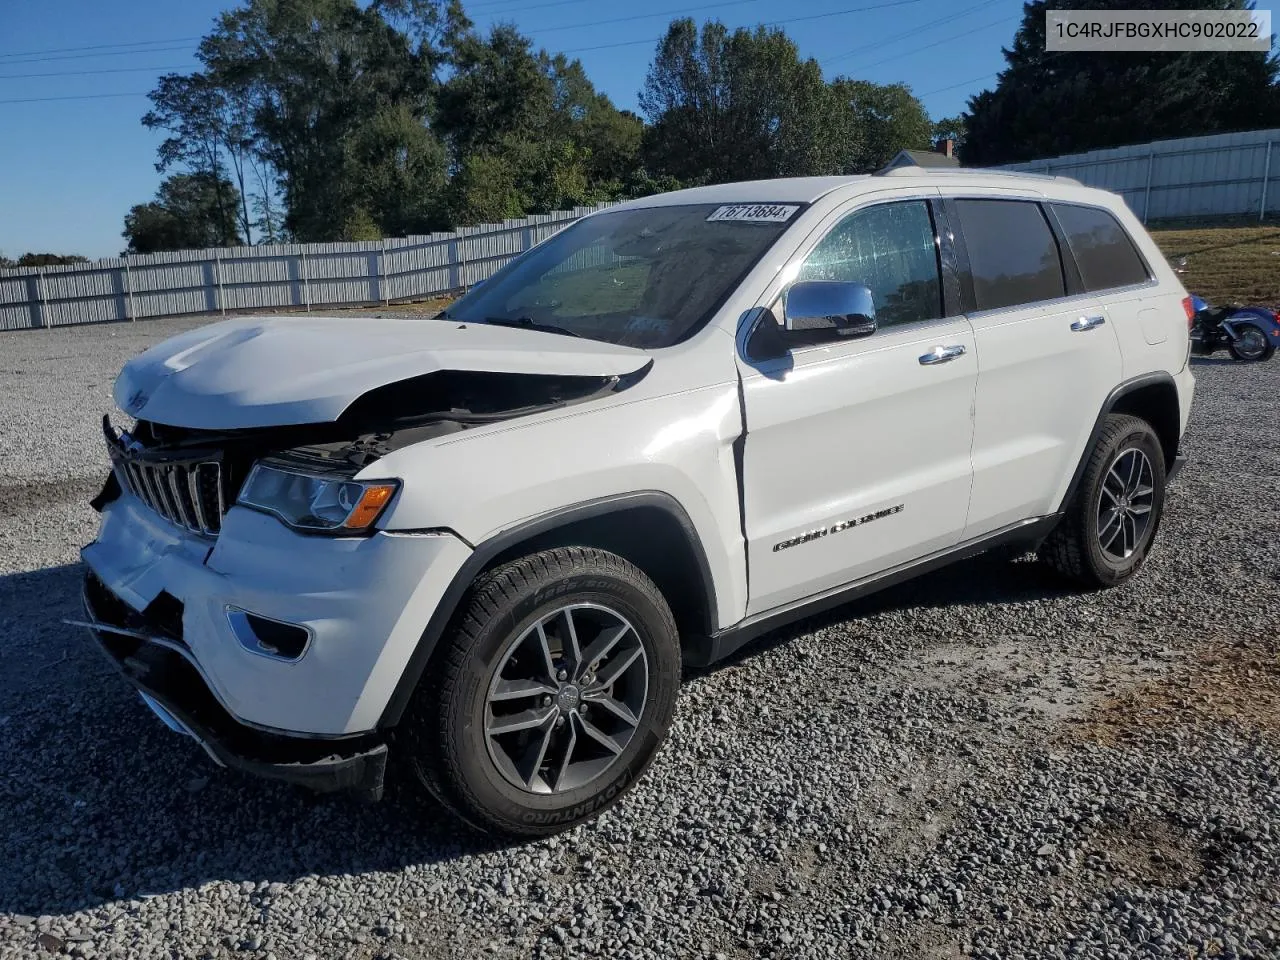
(911, 170)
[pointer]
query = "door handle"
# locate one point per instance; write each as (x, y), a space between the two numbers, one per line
(942, 355)
(1088, 323)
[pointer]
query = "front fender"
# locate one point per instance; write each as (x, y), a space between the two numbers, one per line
(483, 482)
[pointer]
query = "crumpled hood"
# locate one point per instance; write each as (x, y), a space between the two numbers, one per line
(261, 372)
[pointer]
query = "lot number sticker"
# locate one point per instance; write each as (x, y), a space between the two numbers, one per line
(753, 213)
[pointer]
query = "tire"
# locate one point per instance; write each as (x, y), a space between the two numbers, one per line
(1086, 546)
(1264, 350)
(512, 631)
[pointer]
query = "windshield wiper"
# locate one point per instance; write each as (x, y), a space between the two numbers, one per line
(529, 323)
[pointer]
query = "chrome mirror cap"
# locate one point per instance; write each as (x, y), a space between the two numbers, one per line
(848, 309)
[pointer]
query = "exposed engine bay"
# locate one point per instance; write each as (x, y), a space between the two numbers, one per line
(381, 420)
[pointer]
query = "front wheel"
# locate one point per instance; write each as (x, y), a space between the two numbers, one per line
(1251, 343)
(551, 695)
(1111, 521)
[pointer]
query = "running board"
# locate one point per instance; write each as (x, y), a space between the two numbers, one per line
(701, 651)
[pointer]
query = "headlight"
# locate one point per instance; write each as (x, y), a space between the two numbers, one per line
(315, 501)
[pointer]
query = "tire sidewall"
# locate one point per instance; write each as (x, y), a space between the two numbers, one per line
(1109, 569)
(1268, 348)
(465, 704)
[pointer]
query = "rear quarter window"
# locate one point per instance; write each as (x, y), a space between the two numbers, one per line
(1104, 252)
(1013, 256)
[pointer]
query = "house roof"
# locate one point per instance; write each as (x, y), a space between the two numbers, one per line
(922, 158)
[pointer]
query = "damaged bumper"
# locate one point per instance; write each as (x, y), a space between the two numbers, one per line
(155, 661)
(355, 608)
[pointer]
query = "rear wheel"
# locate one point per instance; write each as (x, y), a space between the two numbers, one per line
(551, 695)
(1251, 343)
(1111, 521)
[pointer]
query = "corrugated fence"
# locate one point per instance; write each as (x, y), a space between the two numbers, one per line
(1225, 174)
(250, 278)
(1221, 175)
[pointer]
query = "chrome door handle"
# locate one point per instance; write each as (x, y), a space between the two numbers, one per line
(1088, 323)
(942, 354)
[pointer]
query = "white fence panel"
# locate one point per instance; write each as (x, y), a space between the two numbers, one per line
(253, 278)
(1228, 174)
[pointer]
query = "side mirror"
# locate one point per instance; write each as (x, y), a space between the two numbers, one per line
(843, 308)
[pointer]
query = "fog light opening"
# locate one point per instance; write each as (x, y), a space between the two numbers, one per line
(275, 639)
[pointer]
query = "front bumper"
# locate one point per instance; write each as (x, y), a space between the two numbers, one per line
(364, 603)
(145, 649)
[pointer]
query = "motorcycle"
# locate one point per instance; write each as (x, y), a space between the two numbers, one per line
(1248, 333)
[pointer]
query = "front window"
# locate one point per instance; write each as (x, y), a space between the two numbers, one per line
(640, 278)
(890, 249)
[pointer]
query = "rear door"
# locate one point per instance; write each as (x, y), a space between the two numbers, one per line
(1047, 357)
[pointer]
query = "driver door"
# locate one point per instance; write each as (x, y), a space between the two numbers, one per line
(857, 455)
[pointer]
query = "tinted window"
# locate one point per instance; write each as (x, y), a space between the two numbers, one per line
(1103, 251)
(1012, 253)
(647, 277)
(889, 248)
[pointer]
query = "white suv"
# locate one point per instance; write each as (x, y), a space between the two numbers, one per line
(482, 545)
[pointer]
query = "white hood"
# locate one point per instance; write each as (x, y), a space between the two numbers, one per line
(261, 372)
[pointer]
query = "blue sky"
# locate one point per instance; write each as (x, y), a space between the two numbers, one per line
(71, 168)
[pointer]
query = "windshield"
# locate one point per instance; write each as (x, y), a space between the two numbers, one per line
(638, 278)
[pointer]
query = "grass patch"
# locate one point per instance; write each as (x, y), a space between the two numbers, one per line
(1226, 265)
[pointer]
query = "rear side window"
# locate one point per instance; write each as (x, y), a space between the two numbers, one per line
(1012, 253)
(1104, 253)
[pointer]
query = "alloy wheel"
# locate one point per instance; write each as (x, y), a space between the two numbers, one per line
(1125, 503)
(566, 699)
(1252, 343)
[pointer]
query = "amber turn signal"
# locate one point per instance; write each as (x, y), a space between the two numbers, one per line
(371, 503)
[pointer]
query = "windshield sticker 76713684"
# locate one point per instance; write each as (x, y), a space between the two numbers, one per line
(753, 213)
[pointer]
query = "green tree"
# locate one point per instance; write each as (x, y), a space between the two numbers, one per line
(43, 260)
(732, 106)
(189, 212)
(208, 128)
(1047, 104)
(888, 117)
(339, 99)
(527, 132)
(951, 128)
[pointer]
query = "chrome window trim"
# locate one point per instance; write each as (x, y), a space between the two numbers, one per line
(1062, 302)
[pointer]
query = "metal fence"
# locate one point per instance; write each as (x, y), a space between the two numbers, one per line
(1227, 174)
(250, 278)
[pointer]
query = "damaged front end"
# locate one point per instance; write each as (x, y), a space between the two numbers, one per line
(147, 647)
(249, 638)
(192, 476)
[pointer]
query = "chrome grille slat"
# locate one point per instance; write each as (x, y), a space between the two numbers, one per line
(187, 493)
(155, 480)
(177, 480)
(193, 487)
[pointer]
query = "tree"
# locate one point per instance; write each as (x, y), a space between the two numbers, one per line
(43, 260)
(209, 126)
(527, 132)
(190, 211)
(338, 99)
(739, 106)
(889, 117)
(1047, 104)
(951, 128)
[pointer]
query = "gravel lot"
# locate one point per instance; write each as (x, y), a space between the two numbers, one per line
(977, 764)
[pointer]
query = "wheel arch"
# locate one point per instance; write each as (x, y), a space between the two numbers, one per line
(649, 528)
(1152, 397)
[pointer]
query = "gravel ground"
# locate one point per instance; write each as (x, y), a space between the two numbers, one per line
(977, 764)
